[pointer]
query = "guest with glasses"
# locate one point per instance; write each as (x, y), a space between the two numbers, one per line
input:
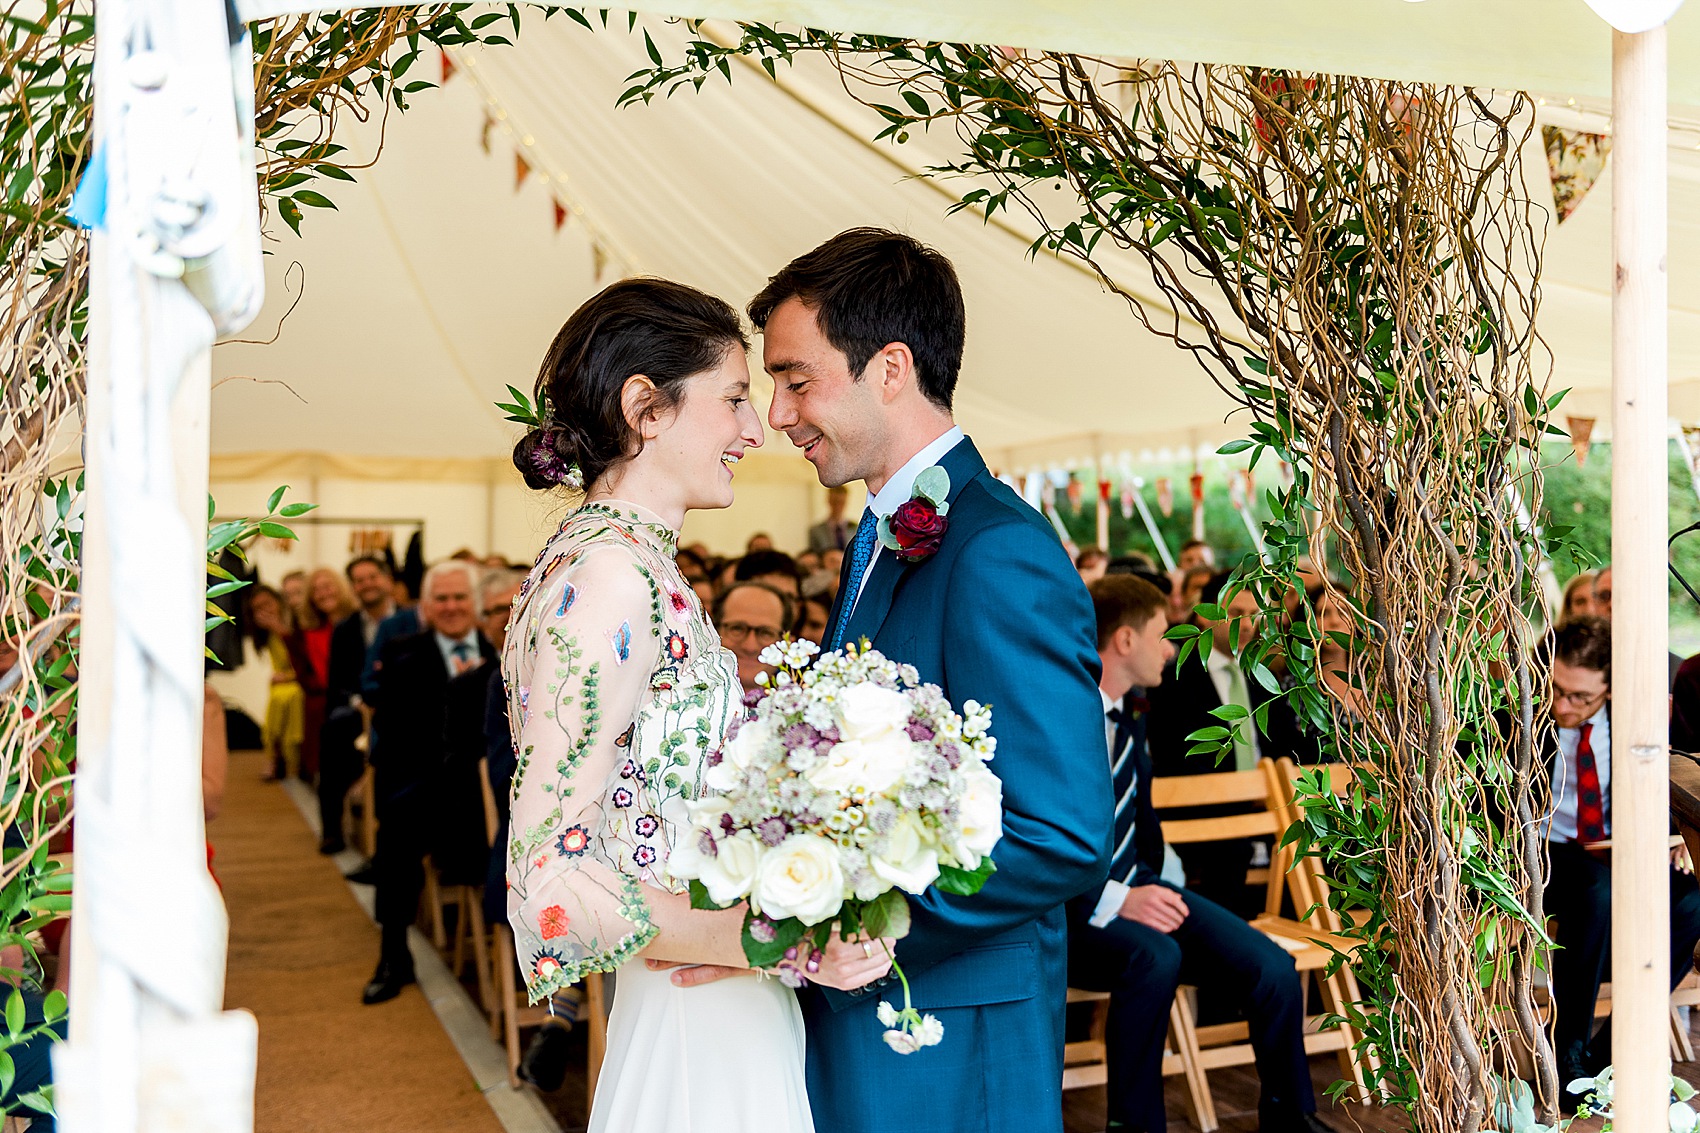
(1577, 757)
(751, 616)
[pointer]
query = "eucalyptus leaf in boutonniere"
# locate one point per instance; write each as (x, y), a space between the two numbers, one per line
(914, 531)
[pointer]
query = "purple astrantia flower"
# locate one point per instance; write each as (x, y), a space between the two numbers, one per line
(791, 977)
(647, 825)
(772, 831)
(644, 855)
(714, 758)
(762, 930)
(622, 797)
(801, 735)
(952, 754)
(727, 825)
(919, 732)
(709, 847)
(753, 697)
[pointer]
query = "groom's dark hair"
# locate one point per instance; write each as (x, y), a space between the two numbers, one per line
(870, 288)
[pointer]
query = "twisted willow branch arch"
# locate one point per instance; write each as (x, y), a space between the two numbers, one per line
(1389, 351)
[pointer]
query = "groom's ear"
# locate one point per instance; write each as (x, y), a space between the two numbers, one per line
(894, 368)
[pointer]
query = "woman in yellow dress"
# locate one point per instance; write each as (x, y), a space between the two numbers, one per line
(269, 624)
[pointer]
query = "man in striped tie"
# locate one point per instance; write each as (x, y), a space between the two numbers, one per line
(1578, 891)
(1139, 938)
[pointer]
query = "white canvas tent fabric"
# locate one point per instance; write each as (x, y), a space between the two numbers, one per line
(437, 282)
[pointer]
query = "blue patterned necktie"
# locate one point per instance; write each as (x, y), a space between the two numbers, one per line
(861, 553)
(1125, 857)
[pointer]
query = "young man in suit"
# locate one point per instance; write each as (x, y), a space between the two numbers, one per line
(863, 338)
(411, 706)
(835, 531)
(1578, 891)
(1139, 938)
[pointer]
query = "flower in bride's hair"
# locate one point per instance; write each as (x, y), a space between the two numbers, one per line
(801, 878)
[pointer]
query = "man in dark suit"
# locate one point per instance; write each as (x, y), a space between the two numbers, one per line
(1140, 938)
(1578, 891)
(1182, 706)
(340, 762)
(411, 709)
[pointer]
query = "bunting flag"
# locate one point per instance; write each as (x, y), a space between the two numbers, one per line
(1575, 161)
(1103, 513)
(1581, 428)
(521, 170)
(448, 66)
(560, 214)
(484, 134)
(1198, 505)
(1165, 496)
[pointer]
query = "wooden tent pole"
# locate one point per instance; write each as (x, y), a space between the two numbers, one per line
(1640, 780)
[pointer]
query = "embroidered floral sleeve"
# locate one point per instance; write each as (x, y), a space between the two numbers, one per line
(584, 669)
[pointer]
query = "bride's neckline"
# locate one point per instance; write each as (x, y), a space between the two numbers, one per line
(633, 517)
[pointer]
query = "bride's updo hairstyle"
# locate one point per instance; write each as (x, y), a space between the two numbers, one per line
(663, 330)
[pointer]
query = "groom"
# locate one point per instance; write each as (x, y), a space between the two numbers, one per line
(863, 338)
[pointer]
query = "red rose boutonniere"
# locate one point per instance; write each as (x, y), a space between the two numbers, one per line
(914, 531)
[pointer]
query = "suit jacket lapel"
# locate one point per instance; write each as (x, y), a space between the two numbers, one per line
(961, 464)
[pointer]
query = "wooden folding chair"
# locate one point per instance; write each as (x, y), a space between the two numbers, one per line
(1307, 885)
(1085, 1065)
(1227, 1044)
(511, 1011)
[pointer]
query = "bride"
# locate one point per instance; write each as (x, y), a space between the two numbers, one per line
(618, 693)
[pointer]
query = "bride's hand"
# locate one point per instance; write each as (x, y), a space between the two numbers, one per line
(850, 964)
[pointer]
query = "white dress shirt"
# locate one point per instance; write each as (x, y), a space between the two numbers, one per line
(1115, 892)
(1564, 775)
(900, 488)
(1220, 664)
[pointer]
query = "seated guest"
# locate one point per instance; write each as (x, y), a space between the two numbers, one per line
(751, 616)
(1092, 563)
(410, 733)
(1187, 591)
(1182, 706)
(775, 568)
(1139, 938)
(814, 615)
(1578, 892)
(340, 761)
(808, 563)
(760, 541)
(726, 575)
(1195, 553)
(1578, 598)
(835, 531)
(1602, 609)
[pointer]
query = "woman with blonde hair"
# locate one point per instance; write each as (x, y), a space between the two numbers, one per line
(327, 602)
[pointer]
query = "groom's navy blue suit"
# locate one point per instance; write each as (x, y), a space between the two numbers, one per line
(997, 615)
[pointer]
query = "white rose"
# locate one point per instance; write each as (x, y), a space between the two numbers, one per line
(728, 874)
(909, 861)
(979, 816)
(799, 878)
(868, 711)
(866, 766)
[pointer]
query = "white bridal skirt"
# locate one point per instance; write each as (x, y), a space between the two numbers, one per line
(726, 1057)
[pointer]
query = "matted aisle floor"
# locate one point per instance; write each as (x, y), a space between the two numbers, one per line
(300, 951)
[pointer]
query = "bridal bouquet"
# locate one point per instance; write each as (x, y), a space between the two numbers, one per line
(852, 784)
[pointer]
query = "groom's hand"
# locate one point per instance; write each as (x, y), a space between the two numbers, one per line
(689, 976)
